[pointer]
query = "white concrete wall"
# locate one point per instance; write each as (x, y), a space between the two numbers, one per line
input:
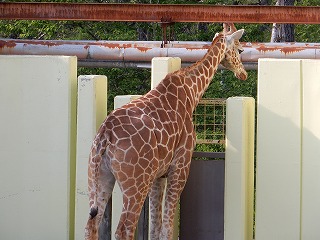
(239, 169)
(119, 101)
(161, 66)
(278, 150)
(37, 146)
(288, 140)
(91, 112)
(310, 211)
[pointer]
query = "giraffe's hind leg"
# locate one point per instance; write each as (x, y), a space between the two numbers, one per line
(98, 202)
(156, 198)
(176, 181)
(134, 190)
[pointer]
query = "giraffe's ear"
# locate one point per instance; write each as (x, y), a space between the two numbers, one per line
(236, 35)
(215, 36)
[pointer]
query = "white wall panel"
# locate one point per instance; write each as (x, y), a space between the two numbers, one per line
(92, 110)
(37, 146)
(239, 169)
(278, 150)
(310, 211)
(161, 66)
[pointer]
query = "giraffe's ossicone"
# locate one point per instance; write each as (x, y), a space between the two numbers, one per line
(151, 138)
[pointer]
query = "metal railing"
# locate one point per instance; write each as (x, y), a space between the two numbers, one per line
(209, 121)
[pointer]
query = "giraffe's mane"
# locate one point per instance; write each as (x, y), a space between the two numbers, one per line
(193, 66)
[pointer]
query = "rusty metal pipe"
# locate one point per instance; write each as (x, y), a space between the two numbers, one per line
(160, 13)
(130, 53)
(131, 64)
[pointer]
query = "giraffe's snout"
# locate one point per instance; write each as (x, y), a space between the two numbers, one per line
(241, 75)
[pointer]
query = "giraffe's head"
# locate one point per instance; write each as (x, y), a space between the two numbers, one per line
(232, 59)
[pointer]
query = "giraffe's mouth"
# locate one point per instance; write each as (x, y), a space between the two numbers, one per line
(242, 75)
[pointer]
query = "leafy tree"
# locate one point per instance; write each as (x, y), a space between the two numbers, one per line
(283, 32)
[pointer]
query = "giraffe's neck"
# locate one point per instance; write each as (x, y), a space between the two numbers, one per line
(199, 76)
(194, 80)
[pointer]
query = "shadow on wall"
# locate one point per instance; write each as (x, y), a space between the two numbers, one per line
(287, 174)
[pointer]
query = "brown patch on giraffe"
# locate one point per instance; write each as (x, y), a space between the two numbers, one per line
(145, 135)
(124, 119)
(140, 178)
(119, 132)
(129, 183)
(173, 89)
(143, 161)
(136, 123)
(147, 121)
(124, 144)
(172, 99)
(118, 154)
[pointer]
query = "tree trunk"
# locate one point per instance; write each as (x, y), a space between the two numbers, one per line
(283, 32)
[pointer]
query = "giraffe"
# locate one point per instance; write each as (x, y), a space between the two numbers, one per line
(152, 138)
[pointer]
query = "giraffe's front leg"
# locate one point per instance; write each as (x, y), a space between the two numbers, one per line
(155, 200)
(176, 181)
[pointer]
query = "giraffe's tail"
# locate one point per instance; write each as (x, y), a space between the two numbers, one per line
(93, 175)
(98, 149)
(93, 212)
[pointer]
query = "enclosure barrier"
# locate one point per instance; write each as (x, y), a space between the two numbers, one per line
(37, 147)
(239, 169)
(43, 175)
(288, 150)
(91, 111)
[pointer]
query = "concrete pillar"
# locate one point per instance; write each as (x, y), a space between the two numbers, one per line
(119, 101)
(310, 174)
(92, 110)
(278, 182)
(161, 66)
(37, 147)
(239, 168)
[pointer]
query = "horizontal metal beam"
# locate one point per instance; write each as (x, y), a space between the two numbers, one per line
(140, 53)
(132, 64)
(160, 13)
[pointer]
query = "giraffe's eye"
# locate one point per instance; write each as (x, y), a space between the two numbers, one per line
(240, 51)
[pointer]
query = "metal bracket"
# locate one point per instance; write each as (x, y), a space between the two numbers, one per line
(165, 24)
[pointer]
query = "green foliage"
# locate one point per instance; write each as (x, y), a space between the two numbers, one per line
(127, 81)
(307, 33)
(225, 85)
(209, 148)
